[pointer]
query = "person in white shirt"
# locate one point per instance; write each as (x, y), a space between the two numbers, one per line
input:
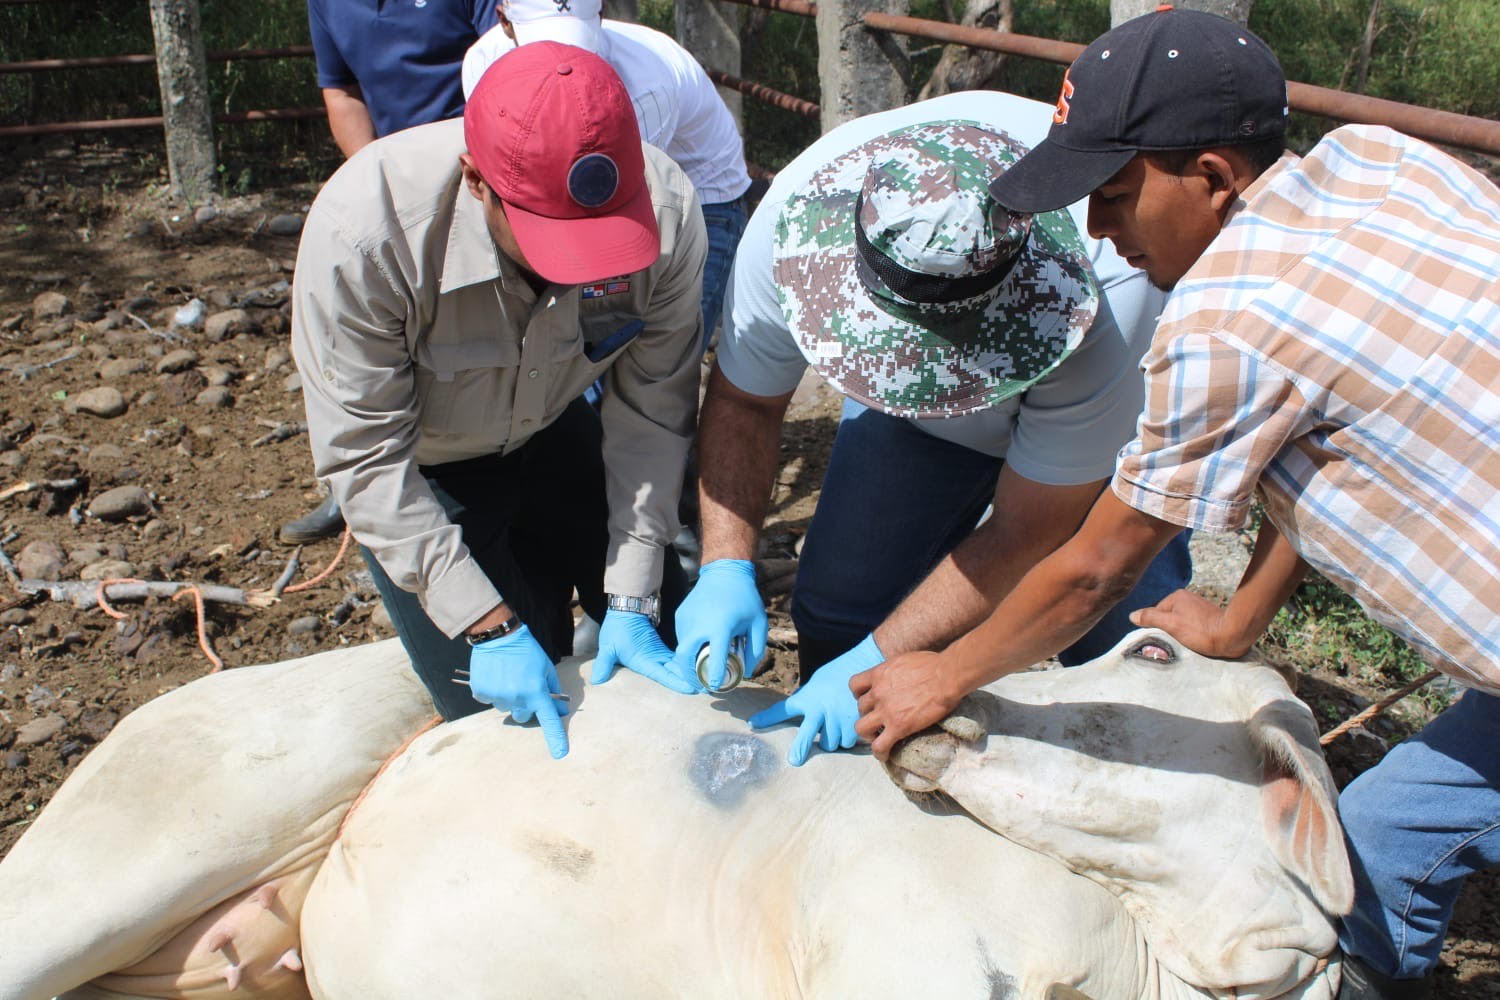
(677, 108)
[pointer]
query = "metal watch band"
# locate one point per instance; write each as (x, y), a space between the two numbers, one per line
(504, 628)
(648, 606)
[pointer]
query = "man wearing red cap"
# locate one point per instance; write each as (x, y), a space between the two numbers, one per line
(457, 288)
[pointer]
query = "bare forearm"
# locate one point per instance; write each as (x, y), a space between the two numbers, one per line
(1274, 572)
(348, 119)
(739, 449)
(1030, 521)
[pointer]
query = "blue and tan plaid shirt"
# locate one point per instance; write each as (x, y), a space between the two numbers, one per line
(1338, 348)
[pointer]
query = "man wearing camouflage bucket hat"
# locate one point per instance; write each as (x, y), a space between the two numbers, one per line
(986, 358)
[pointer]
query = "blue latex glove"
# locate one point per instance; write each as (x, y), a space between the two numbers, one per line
(722, 606)
(514, 674)
(627, 638)
(826, 704)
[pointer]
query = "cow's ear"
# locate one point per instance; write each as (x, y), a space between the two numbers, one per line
(1299, 803)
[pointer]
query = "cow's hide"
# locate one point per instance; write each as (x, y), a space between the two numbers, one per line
(672, 853)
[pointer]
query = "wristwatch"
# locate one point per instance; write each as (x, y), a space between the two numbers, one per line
(504, 628)
(648, 606)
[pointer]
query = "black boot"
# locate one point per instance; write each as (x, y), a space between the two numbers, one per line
(1361, 982)
(323, 522)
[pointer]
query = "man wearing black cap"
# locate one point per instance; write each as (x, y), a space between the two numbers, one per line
(1330, 346)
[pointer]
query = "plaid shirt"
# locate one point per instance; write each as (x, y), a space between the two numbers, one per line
(1338, 346)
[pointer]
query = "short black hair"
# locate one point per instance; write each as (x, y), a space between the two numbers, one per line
(1261, 155)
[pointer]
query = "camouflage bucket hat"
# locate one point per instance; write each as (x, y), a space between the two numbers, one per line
(909, 288)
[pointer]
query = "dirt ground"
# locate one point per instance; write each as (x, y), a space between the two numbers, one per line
(122, 456)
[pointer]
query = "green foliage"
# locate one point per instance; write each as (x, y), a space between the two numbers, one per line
(1324, 628)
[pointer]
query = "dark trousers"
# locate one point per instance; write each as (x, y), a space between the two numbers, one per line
(536, 521)
(895, 501)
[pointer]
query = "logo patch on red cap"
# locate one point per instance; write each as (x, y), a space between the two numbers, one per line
(593, 180)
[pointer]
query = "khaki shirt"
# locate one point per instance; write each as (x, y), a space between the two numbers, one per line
(420, 343)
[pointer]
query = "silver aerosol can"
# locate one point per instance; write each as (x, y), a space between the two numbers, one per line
(734, 667)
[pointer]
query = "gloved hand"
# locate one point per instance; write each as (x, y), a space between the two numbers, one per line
(722, 605)
(514, 674)
(826, 704)
(627, 638)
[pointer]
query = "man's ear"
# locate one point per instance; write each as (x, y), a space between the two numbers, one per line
(472, 180)
(1225, 171)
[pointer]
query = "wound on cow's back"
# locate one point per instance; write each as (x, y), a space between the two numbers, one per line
(725, 766)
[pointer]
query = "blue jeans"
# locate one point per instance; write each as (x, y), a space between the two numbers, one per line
(1417, 824)
(726, 224)
(895, 501)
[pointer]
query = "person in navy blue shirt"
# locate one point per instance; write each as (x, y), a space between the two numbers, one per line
(386, 65)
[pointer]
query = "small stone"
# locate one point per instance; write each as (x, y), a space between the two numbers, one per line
(206, 431)
(215, 397)
(97, 722)
(205, 214)
(15, 617)
(179, 360)
(50, 305)
(183, 386)
(293, 382)
(145, 398)
(85, 554)
(289, 224)
(58, 328)
(39, 731)
(7, 734)
(121, 367)
(69, 750)
(120, 503)
(100, 401)
(107, 569)
(15, 760)
(277, 357)
(306, 625)
(113, 320)
(381, 619)
(190, 316)
(155, 530)
(221, 376)
(229, 323)
(99, 352)
(41, 560)
(40, 699)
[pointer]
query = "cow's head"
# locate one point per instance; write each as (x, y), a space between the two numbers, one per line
(1191, 788)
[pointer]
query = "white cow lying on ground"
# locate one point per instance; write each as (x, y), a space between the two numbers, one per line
(207, 848)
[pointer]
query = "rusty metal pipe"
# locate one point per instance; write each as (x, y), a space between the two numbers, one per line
(155, 121)
(761, 92)
(1446, 127)
(94, 62)
(799, 7)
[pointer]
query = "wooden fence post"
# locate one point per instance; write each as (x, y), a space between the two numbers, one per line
(859, 71)
(187, 118)
(711, 32)
(1121, 11)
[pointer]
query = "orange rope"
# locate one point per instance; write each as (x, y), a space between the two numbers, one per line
(1377, 708)
(429, 724)
(103, 604)
(197, 606)
(202, 635)
(343, 547)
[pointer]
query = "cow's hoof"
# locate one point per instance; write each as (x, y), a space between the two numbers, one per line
(916, 763)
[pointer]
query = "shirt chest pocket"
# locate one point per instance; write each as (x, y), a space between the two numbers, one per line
(464, 384)
(607, 334)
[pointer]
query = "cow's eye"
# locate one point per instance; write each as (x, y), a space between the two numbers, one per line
(1155, 651)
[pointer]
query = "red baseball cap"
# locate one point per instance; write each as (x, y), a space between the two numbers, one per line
(553, 134)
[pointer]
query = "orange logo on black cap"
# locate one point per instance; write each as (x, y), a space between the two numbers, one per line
(1060, 116)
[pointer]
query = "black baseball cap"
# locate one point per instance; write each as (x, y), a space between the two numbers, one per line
(1172, 79)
